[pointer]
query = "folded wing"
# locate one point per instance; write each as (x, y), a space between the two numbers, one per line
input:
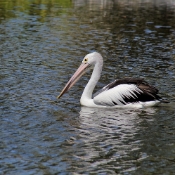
(125, 91)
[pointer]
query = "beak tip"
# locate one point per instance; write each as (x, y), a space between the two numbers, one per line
(58, 96)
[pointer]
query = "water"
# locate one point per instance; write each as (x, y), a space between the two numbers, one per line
(41, 45)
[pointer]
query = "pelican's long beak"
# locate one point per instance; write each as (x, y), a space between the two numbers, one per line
(80, 71)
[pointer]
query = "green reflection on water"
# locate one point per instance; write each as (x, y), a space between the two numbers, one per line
(42, 8)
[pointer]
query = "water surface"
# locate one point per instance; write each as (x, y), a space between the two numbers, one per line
(42, 43)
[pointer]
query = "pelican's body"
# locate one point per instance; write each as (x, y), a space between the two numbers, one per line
(127, 92)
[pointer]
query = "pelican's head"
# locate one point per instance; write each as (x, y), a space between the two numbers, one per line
(88, 62)
(92, 58)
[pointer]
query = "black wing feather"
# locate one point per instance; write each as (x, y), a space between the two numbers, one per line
(148, 92)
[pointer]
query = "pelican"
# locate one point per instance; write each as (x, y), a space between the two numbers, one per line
(127, 92)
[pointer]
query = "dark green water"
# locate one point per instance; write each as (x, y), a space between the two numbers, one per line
(42, 43)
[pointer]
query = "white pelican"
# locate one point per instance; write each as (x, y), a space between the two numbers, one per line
(127, 92)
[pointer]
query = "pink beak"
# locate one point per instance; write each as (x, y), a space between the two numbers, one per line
(80, 71)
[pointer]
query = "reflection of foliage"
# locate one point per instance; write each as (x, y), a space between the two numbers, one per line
(35, 7)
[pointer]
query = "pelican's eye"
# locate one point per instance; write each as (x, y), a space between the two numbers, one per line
(85, 60)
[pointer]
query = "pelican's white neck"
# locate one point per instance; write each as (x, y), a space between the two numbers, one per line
(86, 97)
